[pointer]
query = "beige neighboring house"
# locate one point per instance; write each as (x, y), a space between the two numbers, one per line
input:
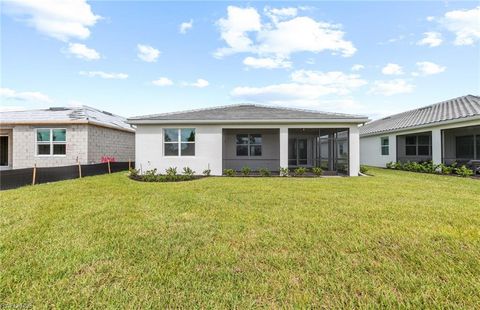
(59, 136)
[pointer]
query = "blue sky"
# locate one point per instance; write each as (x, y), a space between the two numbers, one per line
(135, 58)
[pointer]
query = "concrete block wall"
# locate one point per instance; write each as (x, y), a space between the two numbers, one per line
(24, 147)
(110, 142)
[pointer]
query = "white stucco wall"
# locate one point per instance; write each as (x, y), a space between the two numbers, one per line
(149, 151)
(208, 146)
(370, 149)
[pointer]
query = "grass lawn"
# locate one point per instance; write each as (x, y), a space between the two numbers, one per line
(395, 239)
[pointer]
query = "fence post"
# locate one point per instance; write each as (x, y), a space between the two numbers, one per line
(109, 170)
(129, 165)
(79, 169)
(34, 173)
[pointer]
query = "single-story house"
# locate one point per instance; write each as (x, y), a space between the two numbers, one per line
(60, 136)
(257, 136)
(445, 132)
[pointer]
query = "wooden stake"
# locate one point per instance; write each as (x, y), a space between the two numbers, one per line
(129, 165)
(79, 169)
(109, 170)
(34, 173)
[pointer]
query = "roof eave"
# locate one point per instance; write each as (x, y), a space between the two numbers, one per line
(432, 124)
(64, 122)
(247, 121)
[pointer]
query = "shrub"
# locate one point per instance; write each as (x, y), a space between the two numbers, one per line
(207, 172)
(463, 171)
(188, 172)
(229, 172)
(317, 171)
(364, 169)
(444, 169)
(150, 175)
(264, 172)
(246, 170)
(300, 171)
(284, 172)
(133, 173)
(171, 171)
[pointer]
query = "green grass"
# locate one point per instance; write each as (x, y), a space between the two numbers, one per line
(394, 239)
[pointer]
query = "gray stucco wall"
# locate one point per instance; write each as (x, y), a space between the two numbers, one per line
(401, 155)
(270, 150)
(24, 147)
(110, 142)
(449, 141)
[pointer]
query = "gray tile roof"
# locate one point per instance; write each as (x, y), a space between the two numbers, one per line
(457, 108)
(242, 112)
(65, 115)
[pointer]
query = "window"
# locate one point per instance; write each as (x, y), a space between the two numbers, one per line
(464, 146)
(385, 145)
(417, 145)
(51, 141)
(249, 145)
(179, 141)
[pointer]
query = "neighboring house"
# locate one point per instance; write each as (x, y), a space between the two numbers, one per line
(444, 132)
(59, 136)
(231, 137)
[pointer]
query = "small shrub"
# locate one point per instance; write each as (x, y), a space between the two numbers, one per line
(229, 172)
(150, 175)
(207, 172)
(264, 172)
(364, 169)
(187, 171)
(463, 171)
(284, 172)
(171, 171)
(246, 170)
(133, 173)
(317, 171)
(300, 171)
(444, 169)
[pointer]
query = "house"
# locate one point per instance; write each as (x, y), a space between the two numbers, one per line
(61, 135)
(230, 137)
(445, 132)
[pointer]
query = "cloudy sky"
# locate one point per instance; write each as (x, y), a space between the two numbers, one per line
(371, 58)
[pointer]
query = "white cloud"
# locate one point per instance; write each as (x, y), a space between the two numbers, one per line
(200, 83)
(104, 75)
(82, 51)
(357, 67)
(392, 69)
(243, 32)
(305, 89)
(432, 39)
(430, 18)
(8, 93)
(163, 81)
(61, 20)
(185, 26)
(147, 53)
(267, 63)
(392, 87)
(428, 68)
(465, 24)
(11, 108)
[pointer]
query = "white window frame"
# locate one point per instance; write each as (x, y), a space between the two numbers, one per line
(387, 146)
(51, 143)
(179, 142)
